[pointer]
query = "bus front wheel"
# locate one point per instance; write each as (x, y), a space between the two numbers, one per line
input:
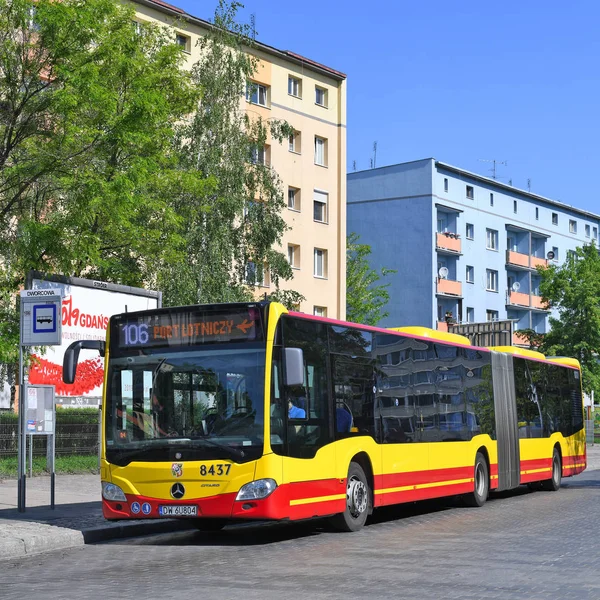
(358, 499)
(481, 483)
(553, 484)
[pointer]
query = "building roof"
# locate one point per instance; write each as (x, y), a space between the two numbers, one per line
(169, 9)
(509, 188)
(491, 182)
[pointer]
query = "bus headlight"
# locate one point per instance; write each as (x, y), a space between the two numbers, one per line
(112, 492)
(256, 490)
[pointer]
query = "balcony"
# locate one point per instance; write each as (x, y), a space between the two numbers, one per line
(519, 340)
(524, 261)
(447, 287)
(520, 299)
(448, 243)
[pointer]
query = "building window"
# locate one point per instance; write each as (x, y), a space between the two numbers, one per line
(184, 41)
(445, 184)
(595, 233)
(294, 255)
(537, 213)
(294, 87)
(320, 311)
(294, 142)
(293, 198)
(320, 151)
(320, 263)
(572, 226)
(470, 314)
(555, 252)
(257, 93)
(491, 315)
(587, 231)
(491, 279)
(257, 276)
(320, 96)
(470, 233)
(491, 237)
(470, 192)
(491, 199)
(554, 218)
(515, 206)
(258, 156)
(571, 255)
(320, 206)
(470, 274)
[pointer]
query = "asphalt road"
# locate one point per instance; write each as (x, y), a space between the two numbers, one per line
(534, 545)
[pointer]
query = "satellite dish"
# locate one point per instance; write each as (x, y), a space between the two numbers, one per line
(443, 272)
(550, 255)
(516, 286)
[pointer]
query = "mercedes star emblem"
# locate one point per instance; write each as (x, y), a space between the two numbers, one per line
(177, 491)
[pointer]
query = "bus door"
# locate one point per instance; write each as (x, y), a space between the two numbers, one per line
(507, 432)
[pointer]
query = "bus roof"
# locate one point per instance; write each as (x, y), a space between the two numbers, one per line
(565, 360)
(426, 332)
(515, 350)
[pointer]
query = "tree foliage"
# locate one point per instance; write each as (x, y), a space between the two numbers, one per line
(233, 226)
(365, 300)
(573, 290)
(88, 108)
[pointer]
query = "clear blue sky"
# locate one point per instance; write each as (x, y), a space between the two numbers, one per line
(515, 81)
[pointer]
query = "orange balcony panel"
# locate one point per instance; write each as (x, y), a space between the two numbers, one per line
(442, 326)
(447, 286)
(519, 340)
(536, 302)
(516, 258)
(448, 242)
(538, 262)
(518, 298)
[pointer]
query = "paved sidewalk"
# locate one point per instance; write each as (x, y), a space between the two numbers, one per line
(77, 518)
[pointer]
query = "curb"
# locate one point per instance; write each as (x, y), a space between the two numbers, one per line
(133, 529)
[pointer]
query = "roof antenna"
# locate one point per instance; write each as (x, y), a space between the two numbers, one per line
(253, 25)
(375, 154)
(494, 163)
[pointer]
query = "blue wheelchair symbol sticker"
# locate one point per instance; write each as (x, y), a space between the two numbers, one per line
(135, 508)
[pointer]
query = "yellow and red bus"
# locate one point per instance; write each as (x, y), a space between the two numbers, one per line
(248, 411)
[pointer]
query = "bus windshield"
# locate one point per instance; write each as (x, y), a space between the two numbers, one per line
(200, 403)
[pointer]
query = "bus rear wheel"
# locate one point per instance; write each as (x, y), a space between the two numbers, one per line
(553, 484)
(481, 483)
(358, 500)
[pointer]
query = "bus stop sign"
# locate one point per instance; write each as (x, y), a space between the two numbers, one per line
(41, 317)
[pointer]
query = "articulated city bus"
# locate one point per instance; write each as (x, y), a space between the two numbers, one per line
(247, 411)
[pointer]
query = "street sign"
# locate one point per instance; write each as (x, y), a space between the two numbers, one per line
(41, 317)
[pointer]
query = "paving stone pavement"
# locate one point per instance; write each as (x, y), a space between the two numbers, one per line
(77, 517)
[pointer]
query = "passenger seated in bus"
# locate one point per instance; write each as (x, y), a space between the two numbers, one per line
(343, 419)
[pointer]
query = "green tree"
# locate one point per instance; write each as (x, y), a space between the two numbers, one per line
(365, 300)
(88, 109)
(573, 290)
(232, 227)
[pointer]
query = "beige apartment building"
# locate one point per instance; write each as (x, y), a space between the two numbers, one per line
(311, 164)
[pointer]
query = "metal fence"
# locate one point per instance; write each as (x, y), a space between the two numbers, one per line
(72, 439)
(589, 432)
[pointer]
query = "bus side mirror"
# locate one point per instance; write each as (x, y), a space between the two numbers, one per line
(294, 366)
(72, 356)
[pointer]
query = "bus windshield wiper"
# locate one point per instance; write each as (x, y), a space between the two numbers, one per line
(233, 452)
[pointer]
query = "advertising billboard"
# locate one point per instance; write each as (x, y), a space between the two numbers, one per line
(87, 306)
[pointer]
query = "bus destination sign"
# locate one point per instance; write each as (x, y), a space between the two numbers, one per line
(188, 328)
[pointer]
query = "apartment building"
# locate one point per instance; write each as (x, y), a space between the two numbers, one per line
(311, 164)
(466, 247)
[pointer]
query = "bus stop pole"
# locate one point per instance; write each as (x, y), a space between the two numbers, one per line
(21, 437)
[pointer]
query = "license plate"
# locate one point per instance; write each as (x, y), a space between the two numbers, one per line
(179, 510)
